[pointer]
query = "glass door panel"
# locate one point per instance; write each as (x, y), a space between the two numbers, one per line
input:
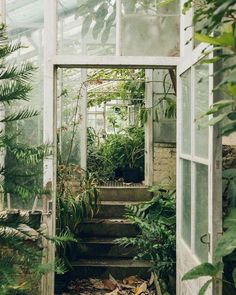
(186, 201)
(201, 85)
(186, 112)
(201, 211)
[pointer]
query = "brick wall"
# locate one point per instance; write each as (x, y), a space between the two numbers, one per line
(164, 164)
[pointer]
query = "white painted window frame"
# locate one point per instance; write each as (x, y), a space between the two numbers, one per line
(189, 57)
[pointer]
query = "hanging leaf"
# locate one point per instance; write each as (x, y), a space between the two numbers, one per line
(97, 28)
(227, 243)
(216, 120)
(202, 270)
(232, 116)
(204, 288)
(86, 25)
(230, 219)
(232, 193)
(228, 129)
(234, 276)
(82, 10)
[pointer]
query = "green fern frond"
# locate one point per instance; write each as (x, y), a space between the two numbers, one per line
(21, 115)
(21, 72)
(11, 91)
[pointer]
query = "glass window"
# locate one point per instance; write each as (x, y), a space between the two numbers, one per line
(186, 201)
(201, 214)
(87, 27)
(186, 112)
(147, 28)
(201, 105)
(118, 27)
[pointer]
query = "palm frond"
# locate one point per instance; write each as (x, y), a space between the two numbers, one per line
(14, 90)
(21, 72)
(8, 49)
(21, 115)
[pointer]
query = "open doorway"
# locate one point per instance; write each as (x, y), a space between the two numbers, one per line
(109, 120)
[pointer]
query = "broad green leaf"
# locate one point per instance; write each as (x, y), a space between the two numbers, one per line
(230, 219)
(229, 173)
(204, 288)
(234, 276)
(211, 60)
(202, 270)
(165, 2)
(219, 106)
(102, 12)
(232, 116)
(228, 129)
(232, 193)
(105, 34)
(82, 10)
(225, 39)
(216, 119)
(97, 28)
(232, 88)
(227, 243)
(86, 25)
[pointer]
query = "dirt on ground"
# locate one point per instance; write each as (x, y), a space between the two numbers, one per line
(128, 286)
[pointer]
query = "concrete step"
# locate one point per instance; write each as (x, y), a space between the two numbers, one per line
(108, 228)
(113, 209)
(103, 247)
(126, 194)
(118, 268)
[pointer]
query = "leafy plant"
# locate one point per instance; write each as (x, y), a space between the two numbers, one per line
(118, 151)
(156, 220)
(21, 251)
(77, 199)
(225, 249)
(219, 18)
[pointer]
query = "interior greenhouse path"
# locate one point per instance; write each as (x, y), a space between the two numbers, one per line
(99, 256)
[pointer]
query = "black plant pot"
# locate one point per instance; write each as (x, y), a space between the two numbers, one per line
(35, 219)
(13, 216)
(134, 175)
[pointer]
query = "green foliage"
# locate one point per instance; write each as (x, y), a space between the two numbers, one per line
(225, 248)
(77, 199)
(219, 17)
(21, 246)
(156, 220)
(118, 151)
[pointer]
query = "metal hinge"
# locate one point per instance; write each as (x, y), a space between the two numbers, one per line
(205, 239)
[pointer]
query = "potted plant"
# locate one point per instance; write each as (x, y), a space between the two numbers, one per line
(133, 170)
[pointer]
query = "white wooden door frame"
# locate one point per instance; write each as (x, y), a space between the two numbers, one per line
(214, 186)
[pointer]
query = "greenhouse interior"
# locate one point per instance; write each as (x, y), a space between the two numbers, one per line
(118, 147)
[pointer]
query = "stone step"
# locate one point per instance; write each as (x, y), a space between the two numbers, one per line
(118, 268)
(107, 228)
(103, 247)
(126, 194)
(113, 209)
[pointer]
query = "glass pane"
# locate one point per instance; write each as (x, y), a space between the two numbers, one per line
(150, 29)
(69, 115)
(186, 113)
(201, 105)
(164, 106)
(186, 201)
(201, 215)
(24, 21)
(87, 27)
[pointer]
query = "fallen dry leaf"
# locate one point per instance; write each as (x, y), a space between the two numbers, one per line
(114, 292)
(151, 280)
(132, 280)
(142, 288)
(97, 284)
(109, 285)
